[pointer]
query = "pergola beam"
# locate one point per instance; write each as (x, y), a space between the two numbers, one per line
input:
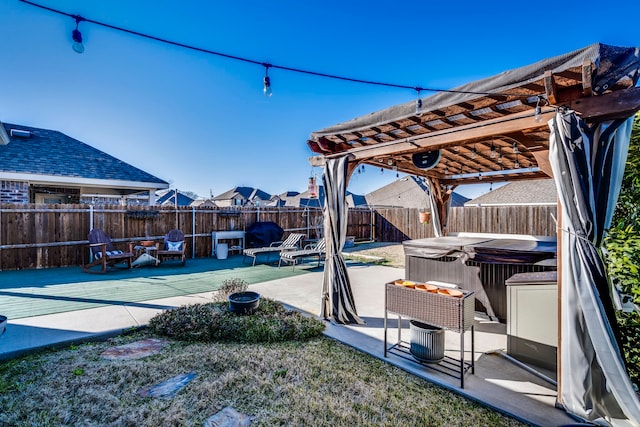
(455, 136)
(619, 104)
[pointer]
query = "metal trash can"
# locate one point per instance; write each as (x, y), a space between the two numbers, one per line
(427, 342)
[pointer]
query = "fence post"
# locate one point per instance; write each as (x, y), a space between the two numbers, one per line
(371, 224)
(90, 228)
(193, 232)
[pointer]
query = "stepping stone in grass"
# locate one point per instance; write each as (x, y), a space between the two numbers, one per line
(134, 350)
(169, 388)
(228, 417)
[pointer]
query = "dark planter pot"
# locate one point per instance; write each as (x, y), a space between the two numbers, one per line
(427, 342)
(244, 302)
(3, 323)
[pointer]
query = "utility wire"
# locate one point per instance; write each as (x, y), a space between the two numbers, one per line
(267, 65)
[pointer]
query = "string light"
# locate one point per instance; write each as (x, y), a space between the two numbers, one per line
(493, 153)
(500, 155)
(76, 35)
(418, 102)
(538, 110)
(516, 165)
(473, 152)
(267, 81)
(252, 61)
(515, 148)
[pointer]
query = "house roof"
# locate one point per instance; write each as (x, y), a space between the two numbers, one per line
(533, 192)
(247, 193)
(473, 129)
(169, 198)
(50, 153)
(407, 192)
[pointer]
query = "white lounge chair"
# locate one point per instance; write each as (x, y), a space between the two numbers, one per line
(316, 250)
(291, 243)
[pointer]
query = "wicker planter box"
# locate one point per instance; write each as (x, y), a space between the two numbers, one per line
(439, 310)
(435, 309)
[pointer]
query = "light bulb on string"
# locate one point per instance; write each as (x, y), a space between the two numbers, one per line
(515, 148)
(473, 152)
(418, 103)
(538, 110)
(493, 153)
(500, 155)
(381, 171)
(516, 165)
(266, 81)
(76, 35)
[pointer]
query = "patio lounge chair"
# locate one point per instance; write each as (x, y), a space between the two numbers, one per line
(104, 254)
(291, 243)
(173, 247)
(316, 250)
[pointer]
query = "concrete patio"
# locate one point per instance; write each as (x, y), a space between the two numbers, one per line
(497, 382)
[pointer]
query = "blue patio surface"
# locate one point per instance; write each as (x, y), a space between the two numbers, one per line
(29, 293)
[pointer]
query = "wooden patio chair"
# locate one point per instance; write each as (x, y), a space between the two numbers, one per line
(316, 250)
(173, 247)
(104, 254)
(291, 243)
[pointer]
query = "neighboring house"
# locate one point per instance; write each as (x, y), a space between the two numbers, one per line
(208, 203)
(540, 192)
(168, 198)
(282, 199)
(304, 199)
(47, 166)
(242, 196)
(407, 192)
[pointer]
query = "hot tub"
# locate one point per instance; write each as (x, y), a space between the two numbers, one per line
(478, 263)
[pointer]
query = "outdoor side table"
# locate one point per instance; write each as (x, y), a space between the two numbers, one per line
(442, 311)
(227, 235)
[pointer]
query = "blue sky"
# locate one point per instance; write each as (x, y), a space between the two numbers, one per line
(202, 123)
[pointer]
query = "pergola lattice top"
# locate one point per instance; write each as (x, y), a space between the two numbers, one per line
(489, 129)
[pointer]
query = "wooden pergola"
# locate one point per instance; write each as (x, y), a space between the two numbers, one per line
(492, 137)
(499, 129)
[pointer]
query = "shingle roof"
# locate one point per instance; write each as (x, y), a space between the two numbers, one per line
(169, 196)
(247, 193)
(407, 192)
(49, 152)
(539, 191)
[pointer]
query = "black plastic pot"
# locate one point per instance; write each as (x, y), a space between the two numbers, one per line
(244, 302)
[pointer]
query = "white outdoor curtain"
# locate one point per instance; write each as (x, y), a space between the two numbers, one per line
(337, 296)
(588, 164)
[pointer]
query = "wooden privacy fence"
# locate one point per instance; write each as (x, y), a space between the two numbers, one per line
(399, 224)
(44, 236)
